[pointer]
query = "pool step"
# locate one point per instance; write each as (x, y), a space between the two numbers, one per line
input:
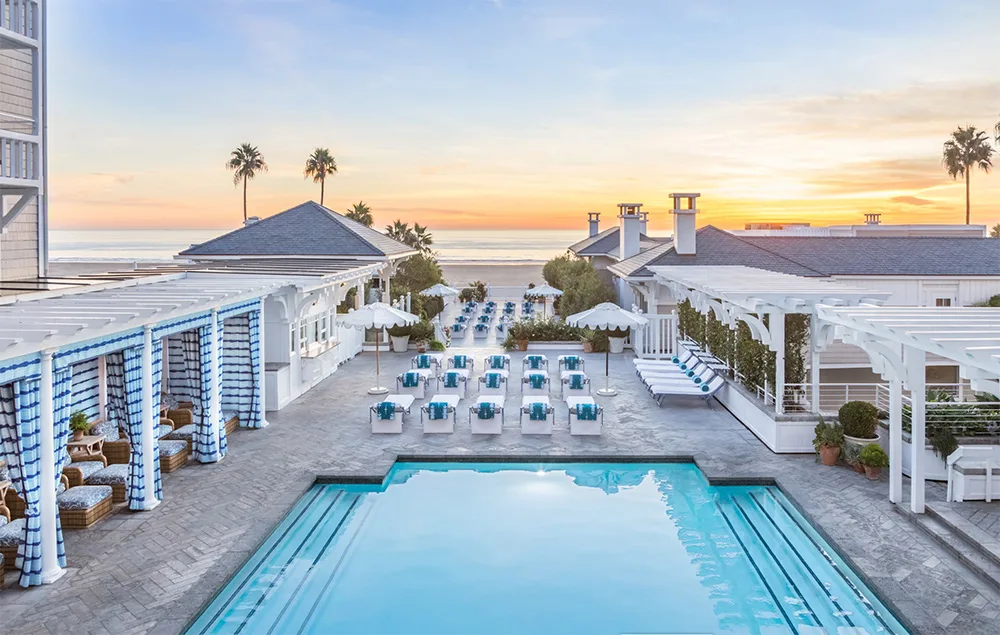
(957, 542)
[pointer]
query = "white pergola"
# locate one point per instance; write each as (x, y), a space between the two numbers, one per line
(897, 340)
(746, 294)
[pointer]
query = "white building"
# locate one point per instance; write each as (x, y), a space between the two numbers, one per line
(23, 173)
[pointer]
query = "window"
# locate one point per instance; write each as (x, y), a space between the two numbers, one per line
(942, 302)
(291, 334)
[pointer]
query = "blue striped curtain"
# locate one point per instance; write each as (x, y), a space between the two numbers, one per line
(254, 412)
(157, 383)
(86, 388)
(203, 442)
(131, 378)
(219, 423)
(62, 401)
(241, 360)
(28, 476)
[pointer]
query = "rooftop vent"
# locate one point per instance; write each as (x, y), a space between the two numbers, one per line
(251, 221)
(873, 219)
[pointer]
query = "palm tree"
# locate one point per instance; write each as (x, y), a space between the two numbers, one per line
(967, 149)
(361, 213)
(995, 231)
(422, 240)
(320, 164)
(398, 231)
(246, 162)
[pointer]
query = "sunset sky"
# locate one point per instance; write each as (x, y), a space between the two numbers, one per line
(519, 113)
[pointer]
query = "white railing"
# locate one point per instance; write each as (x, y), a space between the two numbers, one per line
(658, 339)
(799, 398)
(975, 417)
(20, 17)
(18, 156)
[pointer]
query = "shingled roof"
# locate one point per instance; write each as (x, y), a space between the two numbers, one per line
(828, 256)
(607, 243)
(308, 229)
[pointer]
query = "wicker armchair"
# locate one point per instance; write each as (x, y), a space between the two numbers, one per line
(118, 451)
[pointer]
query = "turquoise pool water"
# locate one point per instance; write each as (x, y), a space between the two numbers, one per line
(546, 549)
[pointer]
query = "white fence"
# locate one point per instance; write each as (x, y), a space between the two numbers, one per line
(799, 398)
(658, 339)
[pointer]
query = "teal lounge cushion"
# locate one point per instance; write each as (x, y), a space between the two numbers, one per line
(83, 497)
(170, 448)
(111, 475)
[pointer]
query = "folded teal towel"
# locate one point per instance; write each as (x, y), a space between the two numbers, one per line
(500, 328)
(423, 361)
(690, 373)
(586, 412)
(536, 381)
(576, 382)
(480, 328)
(458, 327)
(437, 410)
(487, 410)
(462, 318)
(704, 387)
(538, 412)
(534, 361)
(684, 366)
(498, 361)
(459, 361)
(492, 380)
(411, 380)
(451, 380)
(386, 410)
(484, 319)
(571, 363)
(676, 360)
(697, 380)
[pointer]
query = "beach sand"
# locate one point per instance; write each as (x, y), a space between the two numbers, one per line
(457, 274)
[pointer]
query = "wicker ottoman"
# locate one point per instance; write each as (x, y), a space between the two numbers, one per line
(115, 476)
(10, 539)
(79, 471)
(184, 433)
(232, 422)
(173, 454)
(81, 507)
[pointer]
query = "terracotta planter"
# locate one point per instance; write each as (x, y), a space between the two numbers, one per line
(421, 347)
(828, 454)
(77, 435)
(860, 469)
(588, 347)
(872, 472)
(522, 345)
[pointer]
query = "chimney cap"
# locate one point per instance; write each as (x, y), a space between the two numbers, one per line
(685, 195)
(629, 209)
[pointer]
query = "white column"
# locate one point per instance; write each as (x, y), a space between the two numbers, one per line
(102, 386)
(777, 328)
(896, 440)
(215, 404)
(150, 408)
(814, 375)
(261, 372)
(359, 299)
(51, 571)
(916, 363)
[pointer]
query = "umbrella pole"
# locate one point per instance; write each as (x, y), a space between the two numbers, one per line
(607, 391)
(378, 389)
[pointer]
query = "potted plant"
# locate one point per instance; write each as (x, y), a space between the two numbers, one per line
(436, 345)
(588, 341)
(859, 420)
(519, 333)
(616, 340)
(400, 338)
(828, 441)
(874, 458)
(422, 332)
(79, 424)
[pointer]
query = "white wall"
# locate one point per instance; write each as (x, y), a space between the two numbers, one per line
(914, 291)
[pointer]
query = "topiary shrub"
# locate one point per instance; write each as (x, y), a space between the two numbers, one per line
(859, 419)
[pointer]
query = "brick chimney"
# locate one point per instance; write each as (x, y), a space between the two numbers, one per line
(685, 213)
(595, 222)
(630, 221)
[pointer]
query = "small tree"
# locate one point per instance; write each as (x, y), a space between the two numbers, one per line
(319, 165)
(246, 162)
(995, 231)
(361, 213)
(966, 150)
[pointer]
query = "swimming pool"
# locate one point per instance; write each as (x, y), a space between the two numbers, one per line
(505, 549)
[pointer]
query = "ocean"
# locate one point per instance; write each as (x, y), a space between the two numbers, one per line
(480, 246)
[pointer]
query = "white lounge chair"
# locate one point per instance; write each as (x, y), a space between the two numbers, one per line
(493, 382)
(570, 363)
(497, 362)
(460, 362)
(703, 390)
(413, 382)
(592, 419)
(427, 361)
(388, 419)
(574, 384)
(481, 420)
(535, 382)
(659, 376)
(974, 473)
(539, 419)
(454, 382)
(480, 331)
(535, 362)
(438, 415)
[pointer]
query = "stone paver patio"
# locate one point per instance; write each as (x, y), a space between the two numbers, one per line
(152, 572)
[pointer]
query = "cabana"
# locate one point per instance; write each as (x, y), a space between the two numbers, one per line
(897, 340)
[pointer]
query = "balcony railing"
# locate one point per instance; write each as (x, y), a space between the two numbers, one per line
(20, 17)
(657, 339)
(18, 158)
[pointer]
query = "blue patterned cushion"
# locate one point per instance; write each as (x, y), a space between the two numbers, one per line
(534, 361)
(83, 497)
(451, 380)
(492, 380)
(411, 380)
(111, 475)
(586, 412)
(88, 468)
(536, 380)
(168, 401)
(537, 412)
(437, 410)
(571, 363)
(498, 361)
(4, 472)
(108, 429)
(576, 382)
(163, 430)
(386, 410)
(423, 361)
(12, 532)
(487, 410)
(170, 448)
(458, 327)
(183, 433)
(459, 361)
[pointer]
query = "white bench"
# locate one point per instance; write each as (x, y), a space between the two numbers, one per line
(584, 427)
(487, 426)
(974, 473)
(440, 426)
(528, 389)
(402, 405)
(461, 387)
(535, 426)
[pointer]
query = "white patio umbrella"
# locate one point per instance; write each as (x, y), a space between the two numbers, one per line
(440, 291)
(607, 316)
(378, 315)
(545, 291)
